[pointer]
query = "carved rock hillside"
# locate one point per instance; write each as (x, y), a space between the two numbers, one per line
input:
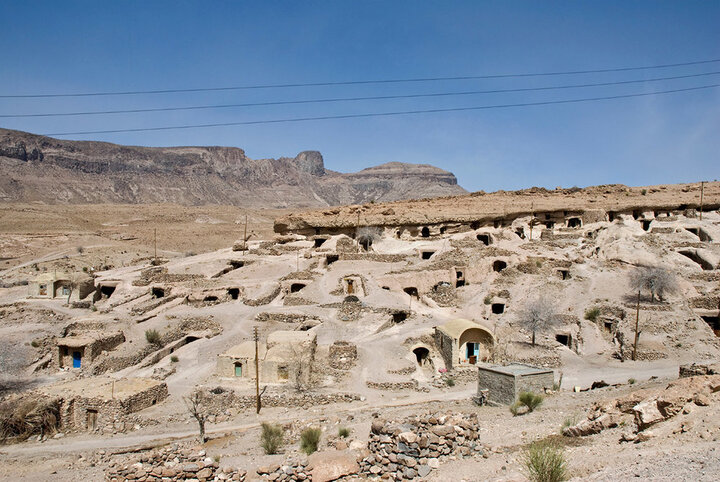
(38, 168)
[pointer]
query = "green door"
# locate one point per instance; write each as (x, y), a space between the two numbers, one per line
(238, 369)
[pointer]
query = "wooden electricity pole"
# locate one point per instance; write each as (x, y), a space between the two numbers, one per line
(257, 371)
(357, 232)
(637, 328)
(702, 191)
(245, 236)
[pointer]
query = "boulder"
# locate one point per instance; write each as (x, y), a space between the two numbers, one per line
(647, 413)
(332, 464)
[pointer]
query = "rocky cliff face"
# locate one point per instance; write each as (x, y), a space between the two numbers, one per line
(38, 168)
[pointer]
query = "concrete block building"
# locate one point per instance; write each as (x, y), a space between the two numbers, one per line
(505, 382)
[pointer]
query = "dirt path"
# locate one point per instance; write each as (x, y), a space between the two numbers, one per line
(135, 440)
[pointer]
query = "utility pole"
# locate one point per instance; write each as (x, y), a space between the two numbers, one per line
(245, 236)
(257, 371)
(702, 191)
(637, 328)
(155, 243)
(357, 230)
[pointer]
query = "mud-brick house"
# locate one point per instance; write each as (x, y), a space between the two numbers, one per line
(463, 342)
(277, 357)
(61, 285)
(103, 403)
(80, 350)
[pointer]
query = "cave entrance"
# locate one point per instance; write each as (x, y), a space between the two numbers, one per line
(107, 291)
(331, 258)
(498, 308)
(412, 291)
(421, 355)
(157, 292)
(646, 224)
(574, 223)
(713, 322)
(499, 265)
(295, 287)
(484, 239)
(563, 274)
(426, 254)
(234, 293)
(319, 242)
(399, 316)
(563, 339)
(425, 232)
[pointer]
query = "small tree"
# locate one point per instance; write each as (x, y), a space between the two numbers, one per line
(303, 364)
(367, 235)
(537, 315)
(195, 404)
(658, 281)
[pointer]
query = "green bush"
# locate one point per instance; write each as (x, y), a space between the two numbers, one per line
(530, 400)
(174, 359)
(643, 192)
(343, 432)
(271, 438)
(591, 314)
(152, 337)
(35, 343)
(544, 462)
(488, 299)
(450, 382)
(515, 408)
(631, 381)
(309, 440)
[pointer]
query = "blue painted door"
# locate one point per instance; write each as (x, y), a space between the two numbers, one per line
(76, 359)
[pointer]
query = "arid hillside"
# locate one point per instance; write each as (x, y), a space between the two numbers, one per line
(54, 171)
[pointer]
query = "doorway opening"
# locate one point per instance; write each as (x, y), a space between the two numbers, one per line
(563, 339)
(421, 355)
(295, 287)
(497, 308)
(499, 265)
(425, 232)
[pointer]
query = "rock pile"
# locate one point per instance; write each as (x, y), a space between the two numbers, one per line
(172, 464)
(645, 408)
(412, 448)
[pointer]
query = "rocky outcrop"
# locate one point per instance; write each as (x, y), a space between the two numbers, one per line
(51, 170)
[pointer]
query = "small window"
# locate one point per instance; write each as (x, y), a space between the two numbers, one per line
(283, 373)
(66, 290)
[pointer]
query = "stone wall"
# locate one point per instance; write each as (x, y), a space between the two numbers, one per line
(412, 447)
(446, 345)
(342, 355)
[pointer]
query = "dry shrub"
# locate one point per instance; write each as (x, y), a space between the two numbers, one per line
(25, 417)
(544, 461)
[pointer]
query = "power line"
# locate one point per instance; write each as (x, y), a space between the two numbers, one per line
(360, 82)
(384, 114)
(354, 99)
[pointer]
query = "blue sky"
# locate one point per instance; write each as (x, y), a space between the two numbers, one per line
(74, 46)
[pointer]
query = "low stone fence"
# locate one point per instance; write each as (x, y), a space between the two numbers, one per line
(413, 447)
(219, 400)
(173, 464)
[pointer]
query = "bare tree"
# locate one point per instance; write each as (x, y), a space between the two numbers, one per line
(367, 235)
(537, 315)
(303, 363)
(658, 281)
(195, 404)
